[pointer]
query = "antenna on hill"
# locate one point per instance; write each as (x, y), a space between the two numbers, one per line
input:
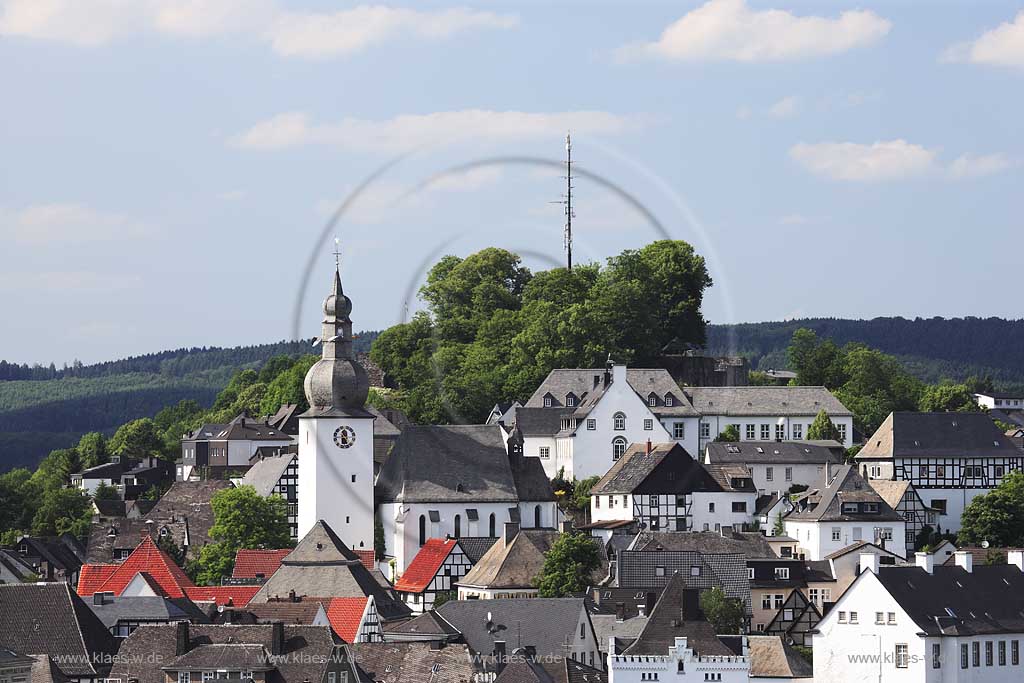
(566, 201)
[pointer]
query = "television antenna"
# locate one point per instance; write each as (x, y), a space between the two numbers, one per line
(566, 201)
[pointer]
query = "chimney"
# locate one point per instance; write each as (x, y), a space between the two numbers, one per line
(650, 599)
(499, 655)
(181, 641)
(511, 531)
(964, 560)
(648, 446)
(1016, 558)
(619, 374)
(620, 611)
(228, 616)
(597, 381)
(277, 638)
(291, 596)
(869, 562)
(925, 561)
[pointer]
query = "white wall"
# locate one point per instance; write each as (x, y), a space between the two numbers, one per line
(241, 451)
(602, 508)
(719, 422)
(815, 539)
(644, 668)
(807, 475)
(326, 489)
(90, 485)
(531, 449)
(723, 514)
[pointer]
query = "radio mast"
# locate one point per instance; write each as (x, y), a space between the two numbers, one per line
(566, 202)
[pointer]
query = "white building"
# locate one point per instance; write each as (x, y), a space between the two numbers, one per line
(662, 488)
(950, 458)
(580, 421)
(926, 623)
(1000, 400)
(767, 413)
(458, 480)
(678, 644)
(841, 510)
(336, 435)
(777, 466)
(232, 445)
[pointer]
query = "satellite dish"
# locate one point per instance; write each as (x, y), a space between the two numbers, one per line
(984, 544)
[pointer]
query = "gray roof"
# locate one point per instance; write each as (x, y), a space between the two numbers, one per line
(677, 614)
(426, 626)
(765, 401)
(476, 546)
(307, 653)
(144, 608)
(539, 622)
(666, 469)
(126, 534)
(750, 544)
(190, 500)
(515, 565)
(459, 463)
(541, 421)
(244, 428)
(580, 382)
(322, 566)
(944, 435)
(825, 502)
(16, 565)
(414, 662)
(50, 619)
(769, 452)
(608, 626)
(770, 657)
(266, 472)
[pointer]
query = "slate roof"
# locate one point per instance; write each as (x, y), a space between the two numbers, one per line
(307, 650)
(321, 565)
(944, 435)
(524, 671)
(515, 565)
(144, 608)
(633, 472)
(727, 571)
(749, 544)
(772, 658)
(769, 452)
(246, 428)
(580, 382)
(168, 577)
(855, 546)
(48, 618)
(459, 464)
(541, 421)
(127, 533)
(765, 401)
(346, 615)
(414, 662)
(45, 670)
(677, 614)
(59, 552)
(732, 477)
(987, 600)
(424, 566)
(249, 563)
(264, 474)
(286, 611)
(539, 622)
(824, 502)
(223, 655)
(475, 546)
(981, 555)
(891, 491)
(109, 508)
(190, 500)
(424, 625)
(17, 565)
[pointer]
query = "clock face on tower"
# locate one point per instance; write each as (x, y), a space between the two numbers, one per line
(344, 437)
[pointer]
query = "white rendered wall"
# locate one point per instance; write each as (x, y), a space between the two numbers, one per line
(719, 422)
(815, 538)
(723, 514)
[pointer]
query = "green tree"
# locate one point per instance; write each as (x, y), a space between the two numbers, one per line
(92, 449)
(568, 566)
(997, 516)
(948, 398)
(63, 511)
(779, 529)
(105, 492)
(137, 439)
(725, 614)
(242, 519)
(286, 386)
(581, 492)
(730, 434)
(822, 428)
(274, 367)
(19, 500)
(380, 547)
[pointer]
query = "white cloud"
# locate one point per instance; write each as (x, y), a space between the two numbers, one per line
(1001, 46)
(890, 160)
(52, 224)
(410, 131)
(728, 30)
(968, 166)
(289, 33)
(467, 181)
(785, 108)
(317, 35)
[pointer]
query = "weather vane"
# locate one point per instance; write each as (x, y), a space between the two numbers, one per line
(337, 254)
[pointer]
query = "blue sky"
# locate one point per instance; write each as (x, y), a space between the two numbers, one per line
(168, 165)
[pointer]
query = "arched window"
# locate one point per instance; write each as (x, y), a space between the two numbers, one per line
(490, 527)
(618, 447)
(536, 517)
(619, 420)
(423, 530)
(458, 525)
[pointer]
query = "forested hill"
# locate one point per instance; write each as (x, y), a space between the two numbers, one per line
(931, 348)
(44, 407)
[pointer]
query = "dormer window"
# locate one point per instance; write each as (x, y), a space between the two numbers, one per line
(570, 400)
(652, 400)
(547, 402)
(870, 507)
(849, 508)
(669, 400)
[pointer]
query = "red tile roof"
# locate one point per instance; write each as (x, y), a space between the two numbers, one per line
(346, 616)
(93, 576)
(148, 558)
(424, 566)
(367, 558)
(236, 596)
(249, 563)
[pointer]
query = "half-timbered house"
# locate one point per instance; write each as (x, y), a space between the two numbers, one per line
(903, 498)
(795, 620)
(435, 570)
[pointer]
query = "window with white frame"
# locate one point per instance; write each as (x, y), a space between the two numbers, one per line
(750, 432)
(544, 451)
(782, 572)
(619, 421)
(780, 432)
(669, 400)
(798, 431)
(547, 401)
(853, 617)
(842, 432)
(769, 473)
(789, 474)
(618, 447)
(570, 401)
(648, 425)
(652, 400)
(837, 533)
(705, 430)
(766, 432)
(679, 430)
(591, 424)
(902, 655)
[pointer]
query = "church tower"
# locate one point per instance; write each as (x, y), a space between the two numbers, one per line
(336, 435)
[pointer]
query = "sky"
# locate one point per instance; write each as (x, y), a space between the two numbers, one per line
(170, 168)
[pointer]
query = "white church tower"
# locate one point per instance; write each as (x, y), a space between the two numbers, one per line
(336, 435)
